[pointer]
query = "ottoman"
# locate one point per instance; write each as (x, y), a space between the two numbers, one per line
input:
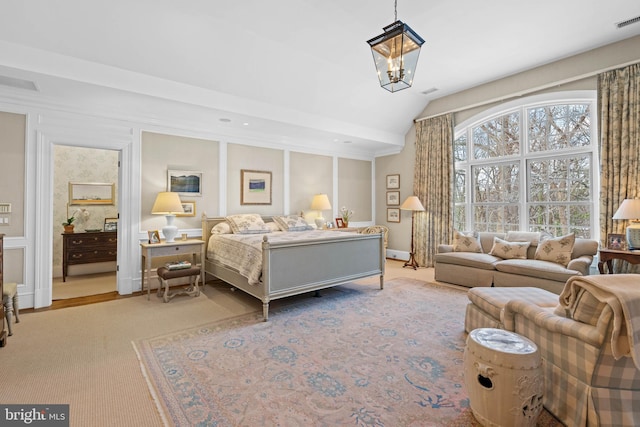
(486, 304)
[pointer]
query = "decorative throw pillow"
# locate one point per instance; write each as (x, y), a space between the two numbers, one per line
(221, 228)
(509, 250)
(587, 308)
(556, 250)
(247, 224)
(292, 223)
(272, 226)
(466, 242)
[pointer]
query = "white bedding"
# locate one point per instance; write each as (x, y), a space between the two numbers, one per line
(243, 252)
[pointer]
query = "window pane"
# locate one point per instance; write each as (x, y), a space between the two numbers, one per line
(459, 217)
(496, 218)
(555, 127)
(497, 137)
(560, 179)
(460, 148)
(459, 187)
(496, 183)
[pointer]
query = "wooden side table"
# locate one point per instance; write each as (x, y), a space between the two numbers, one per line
(193, 247)
(608, 255)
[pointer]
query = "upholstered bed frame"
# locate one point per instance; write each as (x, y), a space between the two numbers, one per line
(292, 268)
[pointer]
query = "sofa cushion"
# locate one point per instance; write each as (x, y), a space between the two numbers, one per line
(468, 259)
(557, 249)
(509, 250)
(536, 268)
(586, 308)
(533, 237)
(466, 242)
(493, 300)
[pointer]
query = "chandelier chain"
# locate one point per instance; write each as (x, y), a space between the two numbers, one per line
(395, 10)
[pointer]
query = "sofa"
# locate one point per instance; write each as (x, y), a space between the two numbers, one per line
(514, 259)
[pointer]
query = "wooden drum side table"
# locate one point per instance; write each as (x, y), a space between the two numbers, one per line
(608, 255)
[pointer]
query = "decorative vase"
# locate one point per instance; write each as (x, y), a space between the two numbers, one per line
(68, 228)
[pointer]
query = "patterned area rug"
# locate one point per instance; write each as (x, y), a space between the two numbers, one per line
(356, 356)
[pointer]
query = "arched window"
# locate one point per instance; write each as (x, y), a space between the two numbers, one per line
(529, 165)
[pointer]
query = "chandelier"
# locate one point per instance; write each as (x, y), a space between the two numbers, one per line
(395, 54)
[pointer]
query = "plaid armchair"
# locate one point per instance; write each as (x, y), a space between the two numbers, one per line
(588, 382)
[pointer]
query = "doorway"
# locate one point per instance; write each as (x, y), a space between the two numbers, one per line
(88, 169)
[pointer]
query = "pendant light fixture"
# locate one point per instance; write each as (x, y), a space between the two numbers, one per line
(395, 54)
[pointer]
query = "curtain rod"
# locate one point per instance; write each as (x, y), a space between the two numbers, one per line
(526, 91)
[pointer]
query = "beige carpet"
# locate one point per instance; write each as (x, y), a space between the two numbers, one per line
(84, 285)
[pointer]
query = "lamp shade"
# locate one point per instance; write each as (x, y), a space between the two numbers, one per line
(320, 202)
(412, 204)
(395, 54)
(167, 203)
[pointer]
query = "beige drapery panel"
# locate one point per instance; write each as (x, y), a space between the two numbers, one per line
(432, 184)
(619, 117)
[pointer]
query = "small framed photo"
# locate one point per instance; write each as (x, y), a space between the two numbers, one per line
(111, 224)
(340, 223)
(185, 183)
(393, 182)
(154, 236)
(189, 209)
(393, 214)
(393, 198)
(616, 241)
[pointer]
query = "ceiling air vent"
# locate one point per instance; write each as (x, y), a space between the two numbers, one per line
(19, 83)
(628, 22)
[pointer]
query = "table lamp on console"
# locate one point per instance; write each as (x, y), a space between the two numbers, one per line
(168, 204)
(630, 210)
(320, 203)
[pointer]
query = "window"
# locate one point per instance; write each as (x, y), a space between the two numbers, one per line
(528, 166)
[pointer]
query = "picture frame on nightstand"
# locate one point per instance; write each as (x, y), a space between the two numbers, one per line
(617, 242)
(154, 236)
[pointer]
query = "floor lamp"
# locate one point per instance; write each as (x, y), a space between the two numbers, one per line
(412, 204)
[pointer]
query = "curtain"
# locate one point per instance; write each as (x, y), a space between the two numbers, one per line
(433, 184)
(619, 117)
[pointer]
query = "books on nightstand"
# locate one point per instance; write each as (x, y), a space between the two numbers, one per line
(178, 265)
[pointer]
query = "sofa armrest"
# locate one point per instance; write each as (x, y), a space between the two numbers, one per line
(545, 318)
(581, 264)
(444, 249)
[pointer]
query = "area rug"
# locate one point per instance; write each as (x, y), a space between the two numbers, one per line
(357, 356)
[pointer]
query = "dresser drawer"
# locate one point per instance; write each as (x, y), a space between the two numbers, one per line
(175, 250)
(95, 255)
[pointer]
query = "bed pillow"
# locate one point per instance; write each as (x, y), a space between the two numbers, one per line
(466, 242)
(247, 224)
(272, 226)
(509, 250)
(221, 228)
(292, 223)
(556, 250)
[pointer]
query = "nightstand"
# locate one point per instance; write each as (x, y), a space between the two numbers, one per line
(193, 247)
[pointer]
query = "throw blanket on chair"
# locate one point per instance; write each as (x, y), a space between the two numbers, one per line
(622, 293)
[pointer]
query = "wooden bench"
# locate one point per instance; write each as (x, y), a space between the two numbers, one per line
(164, 275)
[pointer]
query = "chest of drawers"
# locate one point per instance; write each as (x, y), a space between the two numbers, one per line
(86, 248)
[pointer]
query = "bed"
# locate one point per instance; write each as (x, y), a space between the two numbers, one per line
(294, 266)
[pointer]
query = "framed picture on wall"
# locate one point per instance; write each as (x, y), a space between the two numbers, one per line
(189, 208)
(393, 214)
(393, 182)
(255, 187)
(185, 183)
(91, 193)
(393, 198)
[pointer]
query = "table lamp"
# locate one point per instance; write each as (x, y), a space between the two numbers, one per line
(630, 209)
(412, 204)
(320, 203)
(168, 204)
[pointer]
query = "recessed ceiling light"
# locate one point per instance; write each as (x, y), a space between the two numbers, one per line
(347, 142)
(245, 124)
(225, 120)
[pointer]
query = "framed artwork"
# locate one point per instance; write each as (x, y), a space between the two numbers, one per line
(111, 224)
(616, 241)
(393, 182)
(255, 187)
(393, 214)
(91, 193)
(189, 209)
(185, 183)
(340, 223)
(154, 236)
(393, 198)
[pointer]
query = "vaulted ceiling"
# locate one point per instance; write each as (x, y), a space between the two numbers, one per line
(299, 71)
